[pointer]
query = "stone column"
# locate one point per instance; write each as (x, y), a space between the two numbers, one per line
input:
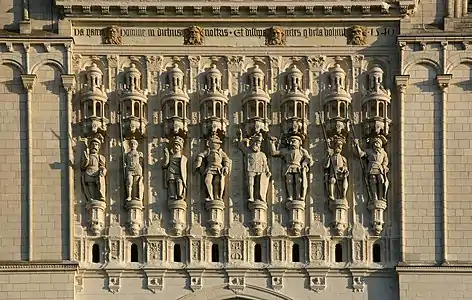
(401, 82)
(68, 83)
(443, 83)
(28, 83)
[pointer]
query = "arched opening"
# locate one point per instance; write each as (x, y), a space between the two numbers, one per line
(177, 253)
(134, 253)
(376, 253)
(215, 253)
(95, 253)
(137, 111)
(257, 253)
(338, 253)
(295, 253)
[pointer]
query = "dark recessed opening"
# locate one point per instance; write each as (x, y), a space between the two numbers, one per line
(257, 253)
(134, 253)
(95, 253)
(376, 256)
(338, 253)
(177, 253)
(295, 253)
(215, 253)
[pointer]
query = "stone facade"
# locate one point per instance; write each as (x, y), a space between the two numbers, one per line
(235, 150)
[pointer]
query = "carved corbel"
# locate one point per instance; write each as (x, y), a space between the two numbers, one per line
(253, 10)
(160, 10)
(236, 280)
(358, 284)
(235, 10)
(215, 10)
(317, 279)
(9, 47)
(124, 10)
(309, 10)
(401, 82)
(68, 83)
(114, 281)
(423, 45)
(277, 278)
(179, 10)
(79, 281)
(443, 81)
(28, 81)
(196, 279)
(290, 10)
(272, 10)
(155, 280)
(197, 10)
(105, 10)
(142, 10)
(466, 44)
(86, 10)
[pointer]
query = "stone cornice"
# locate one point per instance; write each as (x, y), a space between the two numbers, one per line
(287, 9)
(38, 266)
(434, 269)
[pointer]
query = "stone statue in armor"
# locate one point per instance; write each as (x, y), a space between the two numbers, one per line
(257, 167)
(93, 171)
(175, 165)
(336, 171)
(377, 167)
(134, 172)
(217, 168)
(297, 165)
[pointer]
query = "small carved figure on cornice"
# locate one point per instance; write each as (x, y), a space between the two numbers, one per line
(336, 170)
(175, 165)
(216, 169)
(134, 172)
(377, 167)
(194, 35)
(297, 166)
(113, 35)
(257, 167)
(357, 35)
(275, 36)
(94, 171)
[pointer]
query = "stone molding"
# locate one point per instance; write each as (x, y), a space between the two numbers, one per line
(38, 266)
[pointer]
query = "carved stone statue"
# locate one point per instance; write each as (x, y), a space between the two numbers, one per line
(336, 171)
(175, 164)
(134, 172)
(275, 36)
(257, 168)
(377, 167)
(194, 35)
(94, 171)
(297, 165)
(217, 168)
(113, 35)
(357, 35)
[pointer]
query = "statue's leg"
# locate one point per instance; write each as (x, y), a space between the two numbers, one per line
(220, 183)
(385, 187)
(299, 186)
(209, 185)
(289, 185)
(172, 189)
(345, 187)
(129, 187)
(250, 186)
(332, 184)
(373, 187)
(140, 187)
(180, 188)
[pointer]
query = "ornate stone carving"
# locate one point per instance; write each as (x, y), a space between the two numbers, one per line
(113, 36)
(175, 103)
(358, 284)
(357, 35)
(196, 283)
(134, 182)
(317, 251)
(277, 282)
(194, 35)
(114, 284)
(93, 166)
(155, 251)
(257, 176)
(275, 36)
(175, 165)
(236, 284)
(317, 283)
(155, 284)
(376, 178)
(236, 250)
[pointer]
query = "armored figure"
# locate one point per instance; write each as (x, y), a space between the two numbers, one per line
(257, 168)
(336, 171)
(297, 165)
(134, 172)
(94, 171)
(175, 165)
(377, 167)
(217, 168)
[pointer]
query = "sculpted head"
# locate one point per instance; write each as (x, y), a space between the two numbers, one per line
(214, 143)
(113, 35)
(177, 145)
(95, 145)
(133, 144)
(295, 142)
(194, 35)
(357, 35)
(256, 142)
(378, 142)
(276, 36)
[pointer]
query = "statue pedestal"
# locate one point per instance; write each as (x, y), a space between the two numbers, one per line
(135, 215)
(339, 209)
(96, 216)
(178, 209)
(259, 216)
(215, 210)
(296, 210)
(377, 207)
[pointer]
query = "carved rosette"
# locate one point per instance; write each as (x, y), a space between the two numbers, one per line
(94, 106)
(133, 105)
(376, 122)
(175, 104)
